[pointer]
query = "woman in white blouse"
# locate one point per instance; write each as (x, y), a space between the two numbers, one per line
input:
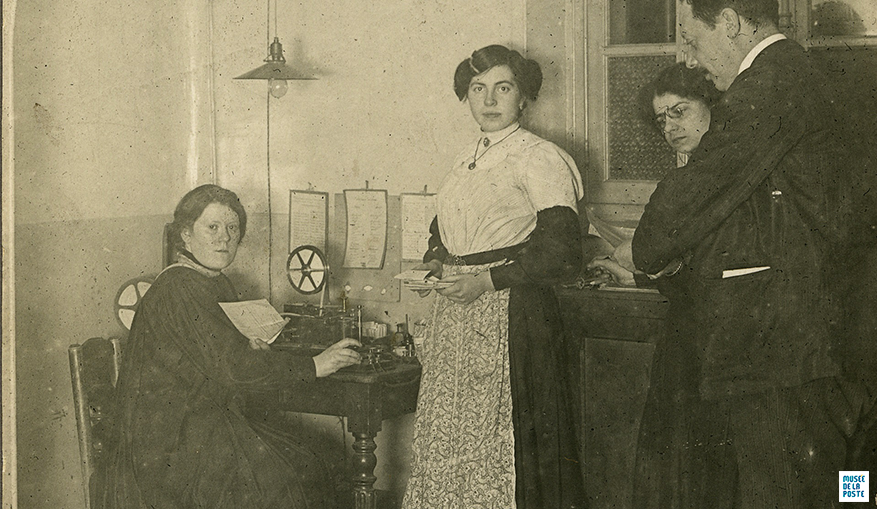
(493, 427)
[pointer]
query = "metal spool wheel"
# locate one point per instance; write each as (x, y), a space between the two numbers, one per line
(128, 300)
(307, 269)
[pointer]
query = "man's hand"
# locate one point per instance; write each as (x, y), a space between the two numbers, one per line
(620, 275)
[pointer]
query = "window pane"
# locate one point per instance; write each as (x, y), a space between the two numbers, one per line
(642, 21)
(637, 150)
(853, 18)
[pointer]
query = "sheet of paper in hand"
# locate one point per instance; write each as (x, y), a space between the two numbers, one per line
(255, 319)
(421, 280)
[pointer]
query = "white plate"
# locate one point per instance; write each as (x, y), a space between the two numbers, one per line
(426, 285)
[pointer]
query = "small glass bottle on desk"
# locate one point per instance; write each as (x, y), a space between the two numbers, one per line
(397, 342)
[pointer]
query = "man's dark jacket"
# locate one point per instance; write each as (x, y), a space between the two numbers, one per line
(764, 189)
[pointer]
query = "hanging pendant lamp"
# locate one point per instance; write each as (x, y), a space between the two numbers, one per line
(275, 69)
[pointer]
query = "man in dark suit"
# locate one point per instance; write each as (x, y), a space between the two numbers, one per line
(744, 234)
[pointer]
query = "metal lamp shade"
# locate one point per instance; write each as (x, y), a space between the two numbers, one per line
(275, 67)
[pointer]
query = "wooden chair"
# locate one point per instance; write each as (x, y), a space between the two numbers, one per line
(94, 370)
(168, 251)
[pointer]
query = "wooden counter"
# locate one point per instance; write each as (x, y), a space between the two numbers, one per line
(611, 333)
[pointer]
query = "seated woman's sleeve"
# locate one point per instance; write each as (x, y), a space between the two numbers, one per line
(190, 316)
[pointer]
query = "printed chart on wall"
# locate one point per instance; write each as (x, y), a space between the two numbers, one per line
(366, 243)
(358, 283)
(417, 213)
(308, 219)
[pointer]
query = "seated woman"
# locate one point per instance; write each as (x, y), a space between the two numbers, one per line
(180, 436)
(678, 103)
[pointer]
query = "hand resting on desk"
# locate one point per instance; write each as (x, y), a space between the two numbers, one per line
(330, 360)
(336, 357)
(606, 270)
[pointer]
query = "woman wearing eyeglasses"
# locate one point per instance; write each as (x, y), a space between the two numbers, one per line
(678, 102)
(681, 100)
(675, 468)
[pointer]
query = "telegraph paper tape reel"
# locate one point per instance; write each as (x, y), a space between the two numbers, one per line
(128, 300)
(307, 269)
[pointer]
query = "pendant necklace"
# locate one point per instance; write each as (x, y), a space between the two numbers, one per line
(487, 144)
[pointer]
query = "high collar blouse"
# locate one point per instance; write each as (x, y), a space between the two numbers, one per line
(494, 204)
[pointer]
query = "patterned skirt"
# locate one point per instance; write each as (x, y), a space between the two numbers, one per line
(463, 447)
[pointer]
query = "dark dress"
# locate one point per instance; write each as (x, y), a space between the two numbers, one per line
(180, 437)
(494, 426)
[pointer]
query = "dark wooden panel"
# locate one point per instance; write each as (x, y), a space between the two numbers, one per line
(616, 383)
(613, 314)
(611, 333)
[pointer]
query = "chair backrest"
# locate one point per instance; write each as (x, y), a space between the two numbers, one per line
(168, 251)
(94, 370)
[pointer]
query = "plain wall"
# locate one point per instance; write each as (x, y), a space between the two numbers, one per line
(121, 107)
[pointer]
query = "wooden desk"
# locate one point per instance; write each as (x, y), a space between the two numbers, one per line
(365, 397)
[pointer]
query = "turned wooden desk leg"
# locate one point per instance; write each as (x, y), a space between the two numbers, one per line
(364, 461)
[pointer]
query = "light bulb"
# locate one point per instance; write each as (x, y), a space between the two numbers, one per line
(277, 87)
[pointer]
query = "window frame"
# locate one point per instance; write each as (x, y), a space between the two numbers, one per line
(624, 199)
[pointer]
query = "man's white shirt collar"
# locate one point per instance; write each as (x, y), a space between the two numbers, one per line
(754, 52)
